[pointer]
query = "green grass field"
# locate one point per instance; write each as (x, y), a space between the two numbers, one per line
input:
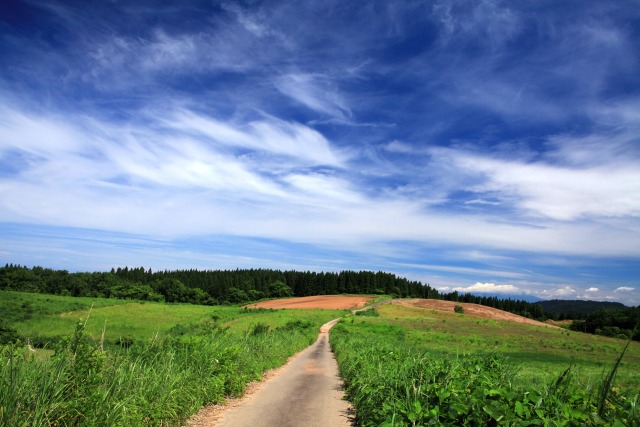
(402, 365)
(177, 358)
(40, 317)
(539, 353)
(415, 366)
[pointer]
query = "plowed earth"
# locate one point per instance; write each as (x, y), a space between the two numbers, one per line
(475, 310)
(331, 302)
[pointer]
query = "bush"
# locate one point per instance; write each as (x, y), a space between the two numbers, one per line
(293, 325)
(458, 309)
(8, 335)
(124, 341)
(259, 328)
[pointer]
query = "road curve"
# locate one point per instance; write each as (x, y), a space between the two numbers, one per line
(306, 393)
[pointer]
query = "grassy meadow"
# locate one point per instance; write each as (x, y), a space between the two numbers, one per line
(158, 364)
(46, 318)
(540, 353)
(416, 366)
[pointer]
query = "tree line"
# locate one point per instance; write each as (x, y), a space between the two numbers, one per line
(208, 287)
(220, 287)
(577, 309)
(623, 323)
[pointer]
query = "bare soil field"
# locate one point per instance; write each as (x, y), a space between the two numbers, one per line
(331, 302)
(471, 310)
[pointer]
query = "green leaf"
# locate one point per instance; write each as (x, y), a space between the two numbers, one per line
(519, 408)
(417, 407)
(460, 408)
(488, 410)
(575, 413)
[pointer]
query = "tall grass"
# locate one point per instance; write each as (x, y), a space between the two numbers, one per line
(541, 354)
(159, 382)
(394, 382)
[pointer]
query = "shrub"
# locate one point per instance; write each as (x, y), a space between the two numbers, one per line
(259, 328)
(8, 335)
(458, 309)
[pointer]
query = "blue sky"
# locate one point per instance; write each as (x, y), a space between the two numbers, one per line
(473, 145)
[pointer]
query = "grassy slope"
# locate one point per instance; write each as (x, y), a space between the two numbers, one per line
(38, 315)
(540, 353)
(416, 366)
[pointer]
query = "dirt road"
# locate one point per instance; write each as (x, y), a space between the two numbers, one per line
(307, 392)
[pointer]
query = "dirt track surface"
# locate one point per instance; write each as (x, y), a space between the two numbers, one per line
(306, 392)
(332, 302)
(471, 310)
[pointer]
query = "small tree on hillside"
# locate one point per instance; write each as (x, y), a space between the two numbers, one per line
(458, 309)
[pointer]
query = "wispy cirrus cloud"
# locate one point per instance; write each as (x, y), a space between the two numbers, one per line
(268, 135)
(315, 93)
(489, 21)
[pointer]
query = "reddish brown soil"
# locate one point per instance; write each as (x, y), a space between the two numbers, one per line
(331, 302)
(471, 310)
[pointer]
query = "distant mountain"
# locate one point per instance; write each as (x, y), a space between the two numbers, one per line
(578, 309)
(514, 297)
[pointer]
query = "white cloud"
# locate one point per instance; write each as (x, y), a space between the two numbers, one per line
(39, 136)
(268, 135)
(489, 288)
(556, 192)
(312, 187)
(595, 150)
(592, 290)
(562, 292)
(396, 146)
(624, 289)
(315, 92)
(249, 22)
(184, 173)
(478, 255)
(488, 22)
